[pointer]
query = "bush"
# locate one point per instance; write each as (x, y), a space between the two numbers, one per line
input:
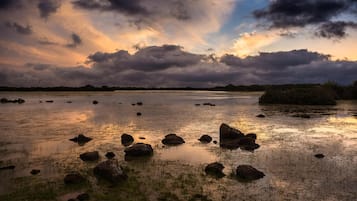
(299, 96)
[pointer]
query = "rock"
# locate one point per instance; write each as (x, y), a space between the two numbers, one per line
(133, 104)
(205, 139)
(49, 101)
(5, 100)
(73, 178)
(110, 170)
(247, 172)
(142, 138)
(260, 116)
(35, 171)
(126, 139)
(89, 156)
(72, 199)
(110, 155)
(251, 135)
(139, 103)
(214, 141)
(229, 137)
(319, 155)
(199, 197)
(139, 149)
(69, 102)
(209, 104)
(248, 143)
(306, 116)
(95, 102)
(83, 197)
(81, 139)
(215, 169)
(10, 167)
(138, 114)
(172, 139)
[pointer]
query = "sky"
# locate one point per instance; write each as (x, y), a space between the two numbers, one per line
(176, 43)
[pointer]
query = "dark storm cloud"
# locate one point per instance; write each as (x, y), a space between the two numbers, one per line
(275, 60)
(48, 7)
(292, 13)
(153, 58)
(8, 4)
(76, 40)
(141, 9)
(335, 29)
(170, 66)
(25, 30)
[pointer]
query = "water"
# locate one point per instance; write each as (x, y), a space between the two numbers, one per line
(35, 135)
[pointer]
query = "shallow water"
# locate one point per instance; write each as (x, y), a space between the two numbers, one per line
(35, 135)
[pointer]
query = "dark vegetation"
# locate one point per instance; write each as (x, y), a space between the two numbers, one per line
(325, 94)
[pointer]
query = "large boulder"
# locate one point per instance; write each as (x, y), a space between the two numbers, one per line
(126, 139)
(248, 173)
(172, 139)
(232, 138)
(110, 170)
(228, 133)
(215, 169)
(81, 139)
(73, 178)
(139, 149)
(89, 156)
(205, 139)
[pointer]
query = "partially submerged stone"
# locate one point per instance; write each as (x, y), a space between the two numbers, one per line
(5, 100)
(260, 116)
(95, 102)
(9, 167)
(110, 155)
(319, 155)
(205, 139)
(81, 139)
(35, 171)
(110, 170)
(215, 169)
(126, 139)
(248, 173)
(89, 156)
(232, 138)
(172, 139)
(139, 149)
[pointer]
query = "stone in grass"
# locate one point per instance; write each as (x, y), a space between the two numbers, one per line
(139, 149)
(110, 170)
(73, 178)
(89, 156)
(248, 173)
(215, 169)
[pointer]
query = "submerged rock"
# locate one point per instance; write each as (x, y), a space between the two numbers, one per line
(215, 169)
(232, 138)
(110, 170)
(89, 156)
(110, 155)
(81, 139)
(319, 155)
(126, 139)
(260, 116)
(138, 114)
(205, 139)
(5, 100)
(35, 171)
(95, 102)
(10, 167)
(172, 139)
(249, 173)
(139, 149)
(139, 103)
(49, 101)
(73, 178)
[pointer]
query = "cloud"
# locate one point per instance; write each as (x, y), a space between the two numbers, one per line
(335, 29)
(25, 30)
(151, 58)
(290, 13)
(48, 7)
(76, 40)
(170, 66)
(8, 4)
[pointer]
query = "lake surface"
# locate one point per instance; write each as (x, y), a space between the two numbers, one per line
(35, 135)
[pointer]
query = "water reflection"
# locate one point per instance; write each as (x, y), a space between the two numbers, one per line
(36, 135)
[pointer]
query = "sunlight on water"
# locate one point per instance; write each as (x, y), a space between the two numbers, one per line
(36, 134)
